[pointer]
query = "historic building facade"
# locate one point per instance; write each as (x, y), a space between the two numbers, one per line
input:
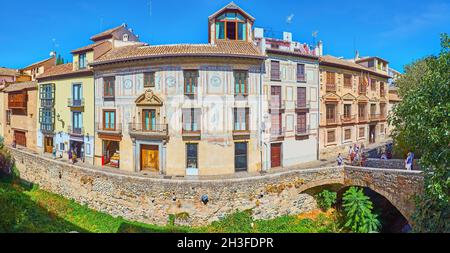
(66, 98)
(188, 109)
(354, 103)
(291, 101)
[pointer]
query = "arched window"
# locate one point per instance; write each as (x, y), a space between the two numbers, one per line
(231, 26)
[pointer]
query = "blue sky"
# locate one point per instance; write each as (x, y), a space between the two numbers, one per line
(399, 31)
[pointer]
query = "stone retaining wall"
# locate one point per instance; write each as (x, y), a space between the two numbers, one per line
(152, 200)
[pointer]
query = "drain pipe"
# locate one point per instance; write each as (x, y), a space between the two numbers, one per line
(318, 109)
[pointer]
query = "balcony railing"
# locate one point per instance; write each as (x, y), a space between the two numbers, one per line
(155, 130)
(276, 104)
(47, 102)
(47, 128)
(348, 119)
(330, 87)
(17, 104)
(332, 121)
(277, 132)
(77, 131)
(302, 130)
(241, 133)
(115, 129)
(374, 116)
(362, 89)
(17, 101)
(75, 102)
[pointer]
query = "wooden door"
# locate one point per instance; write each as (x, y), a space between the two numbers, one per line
(20, 138)
(150, 157)
(275, 154)
(48, 145)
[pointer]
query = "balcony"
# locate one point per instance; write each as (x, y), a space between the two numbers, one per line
(374, 116)
(75, 103)
(47, 102)
(241, 134)
(348, 119)
(75, 131)
(302, 130)
(152, 131)
(362, 89)
(362, 119)
(332, 121)
(330, 87)
(108, 130)
(17, 101)
(47, 128)
(277, 133)
(276, 105)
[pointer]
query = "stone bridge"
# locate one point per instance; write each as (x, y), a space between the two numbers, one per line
(148, 199)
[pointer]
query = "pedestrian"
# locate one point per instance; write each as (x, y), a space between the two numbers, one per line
(54, 153)
(82, 153)
(350, 151)
(74, 157)
(339, 160)
(383, 156)
(69, 154)
(409, 161)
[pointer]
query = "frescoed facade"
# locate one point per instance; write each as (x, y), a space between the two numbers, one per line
(354, 103)
(291, 105)
(187, 109)
(66, 95)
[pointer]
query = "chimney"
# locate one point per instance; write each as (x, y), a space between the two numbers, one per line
(320, 47)
(287, 36)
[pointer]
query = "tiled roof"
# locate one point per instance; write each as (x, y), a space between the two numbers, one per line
(328, 59)
(60, 70)
(20, 86)
(39, 62)
(294, 53)
(8, 72)
(105, 33)
(231, 6)
(221, 48)
(88, 47)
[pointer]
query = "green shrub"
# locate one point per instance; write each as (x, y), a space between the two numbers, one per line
(326, 199)
(6, 163)
(358, 212)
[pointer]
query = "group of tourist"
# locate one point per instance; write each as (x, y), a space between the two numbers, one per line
(356, 156)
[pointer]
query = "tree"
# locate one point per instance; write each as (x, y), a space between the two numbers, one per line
(358, 212)
(326, 199)
(421, 123)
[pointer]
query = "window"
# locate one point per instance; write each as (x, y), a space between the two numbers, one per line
(331, 136)
(77, 120)
(8, 117)
(362, 132)
(109, 87)
(125, 37)
(348, 81)
(240, 83)
(82, 63)
(275, 70)
(347, 134)
(190, 82)
(148, 119)
(276, 124)
(331, 113)
(149, 79)
(240, 156)
(301, 122)
(47, 94)
(231, 26)
(362, 111)
(301, 73)
(301, 97)
(46, 119)
(382, 92)
(382, 109)
(373, 84)
(191, 120)
(347, 111)
(192, 155)
(241, 116)
(373, 109)
(109, 120)
(61, 146)
(76, 94)
(331, 78)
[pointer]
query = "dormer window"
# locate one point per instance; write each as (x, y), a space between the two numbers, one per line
(231, 26)
(125, 37)
(82, 61)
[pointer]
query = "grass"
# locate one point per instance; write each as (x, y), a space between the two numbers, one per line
(30, 209)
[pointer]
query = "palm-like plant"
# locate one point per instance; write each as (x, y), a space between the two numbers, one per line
(358, 212)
